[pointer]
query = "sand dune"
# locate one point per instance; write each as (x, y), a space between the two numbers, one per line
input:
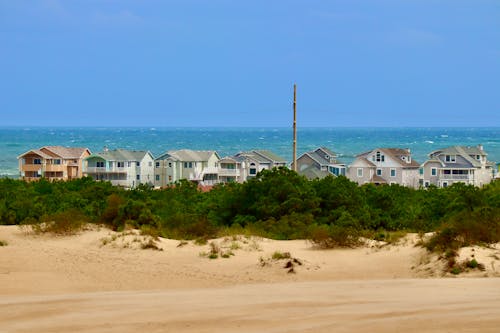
(101, 281)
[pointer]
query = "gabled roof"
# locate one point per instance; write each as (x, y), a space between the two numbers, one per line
(36, 152)
(320, 157)
(396, 154)
(270, 155)
(463, 151)
(49, 152)
(188, 155)
(378, 179)
(262, 156)
(121, 155)
(326, 151)
(67, 152)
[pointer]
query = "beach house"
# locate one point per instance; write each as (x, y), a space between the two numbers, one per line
(200, 166)
(385, 166)
(254, 161)
(320, 163)
(462, 164)
(52, 163)
(121, 167)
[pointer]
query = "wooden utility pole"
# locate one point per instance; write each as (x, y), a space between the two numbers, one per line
(294, 127)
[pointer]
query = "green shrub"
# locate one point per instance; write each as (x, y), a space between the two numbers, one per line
(332, 236)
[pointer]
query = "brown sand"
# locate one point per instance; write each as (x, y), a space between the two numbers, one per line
(100, 281)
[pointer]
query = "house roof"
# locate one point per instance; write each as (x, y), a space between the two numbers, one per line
(188, 155)
(464, 152)
(261, 156)
(49, 152)
(270, 155)
(320, 158)
(67, 152)
(122, 155)
(327, 151)
(397, 155)
(36, 152)
(378, 179)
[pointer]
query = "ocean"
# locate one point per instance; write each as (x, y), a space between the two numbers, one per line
(346, 142)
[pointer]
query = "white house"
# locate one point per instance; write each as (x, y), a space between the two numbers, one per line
(199, 166)
(127, 168)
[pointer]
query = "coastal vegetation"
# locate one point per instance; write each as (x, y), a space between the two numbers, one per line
(278, 204)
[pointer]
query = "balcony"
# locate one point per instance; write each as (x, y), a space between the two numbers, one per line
(31, 167)
(229, 172)
(105, 170)
(455, 177)
(54, 168)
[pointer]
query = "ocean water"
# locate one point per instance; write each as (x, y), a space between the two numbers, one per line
(346, 142)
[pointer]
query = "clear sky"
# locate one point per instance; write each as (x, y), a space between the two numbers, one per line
(233, 63)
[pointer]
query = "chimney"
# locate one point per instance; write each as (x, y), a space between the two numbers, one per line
(480, 146)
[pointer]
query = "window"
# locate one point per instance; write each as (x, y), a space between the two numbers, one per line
(169, 178)
(421, 171)
(450, 158)
(157, 177)
(138, 177)
(57, 162)
(138, 164)
(379, 157)
(190, 164)
(253, 169)
(379, 172)
(433, 171)
(157, 164)
(37, 161)
(360, 172)
(99, 164)
(393, 172)
(120, 164)
(185, 165)
(445, 184)
(426, 184)
(478, 157)
(169, 164)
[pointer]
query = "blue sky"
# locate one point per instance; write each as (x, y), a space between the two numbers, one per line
(233, 63)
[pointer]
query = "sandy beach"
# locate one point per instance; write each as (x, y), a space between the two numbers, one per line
(101, 281)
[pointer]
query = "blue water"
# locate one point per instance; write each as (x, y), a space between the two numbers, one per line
(347, 142)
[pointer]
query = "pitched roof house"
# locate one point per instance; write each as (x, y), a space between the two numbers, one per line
(254, 161)
(463, 164)
(121, 167)
(194, 165)
(385, 166)
(320, 163)
(52, 163)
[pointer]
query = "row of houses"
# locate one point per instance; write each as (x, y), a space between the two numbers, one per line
(129, 168)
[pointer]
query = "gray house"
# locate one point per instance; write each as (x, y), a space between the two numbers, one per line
(252, 162)
(320, 163)
(462, 164)
(385, 166)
